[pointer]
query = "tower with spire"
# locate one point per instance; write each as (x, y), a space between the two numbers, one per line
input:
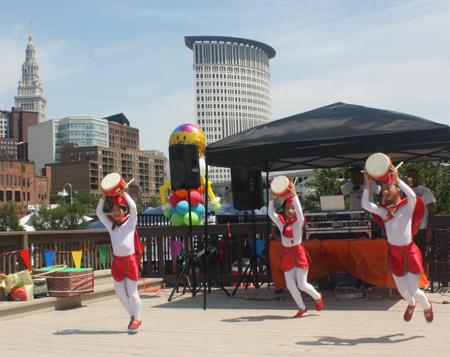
(30, 91)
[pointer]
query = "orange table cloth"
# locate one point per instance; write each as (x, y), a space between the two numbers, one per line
(363, 258)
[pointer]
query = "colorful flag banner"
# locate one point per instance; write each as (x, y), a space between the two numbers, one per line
(49, 257)
(175, 249)
(104, 250)
(77, 258)
(25, 254)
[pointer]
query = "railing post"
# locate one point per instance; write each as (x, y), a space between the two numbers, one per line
(23, 244)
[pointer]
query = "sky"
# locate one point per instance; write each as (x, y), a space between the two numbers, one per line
(104, 57)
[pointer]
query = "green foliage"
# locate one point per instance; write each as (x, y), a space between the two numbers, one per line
(9, 218)
(435, 177)
(64, 217)
(139, 205)
(154, 202)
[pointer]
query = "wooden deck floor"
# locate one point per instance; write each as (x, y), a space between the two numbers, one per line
(256, 322)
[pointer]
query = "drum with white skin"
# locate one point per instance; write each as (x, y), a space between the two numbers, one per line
(280, 186)
(377, 166)
(112, 184)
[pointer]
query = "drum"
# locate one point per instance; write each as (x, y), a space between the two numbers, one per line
(280, 186)
(112, 184)
(377, 166)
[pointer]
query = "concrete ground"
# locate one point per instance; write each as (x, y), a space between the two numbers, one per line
(256, 322)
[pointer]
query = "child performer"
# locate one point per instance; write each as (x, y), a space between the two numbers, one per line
(294, 259)
(126, 247)
(401, 220)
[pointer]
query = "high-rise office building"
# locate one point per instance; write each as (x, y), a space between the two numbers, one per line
(232, 88)
(30, 95)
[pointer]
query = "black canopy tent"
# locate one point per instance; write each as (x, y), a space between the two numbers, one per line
(336, 135)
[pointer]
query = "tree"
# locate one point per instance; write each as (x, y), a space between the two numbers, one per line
(154, 202)
(64, 217)
(9, 218)
(434, 176)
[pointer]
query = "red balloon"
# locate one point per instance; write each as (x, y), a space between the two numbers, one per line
(195, 198)
(174, 199)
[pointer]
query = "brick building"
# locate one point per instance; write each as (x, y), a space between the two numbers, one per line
(84, 167)
(19, 184)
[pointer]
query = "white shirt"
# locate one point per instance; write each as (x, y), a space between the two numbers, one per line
(427, 197)
(399, 228)
(297, 226)
(122, 238)
(356, 195)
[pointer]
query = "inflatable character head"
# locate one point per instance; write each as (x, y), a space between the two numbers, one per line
(188, 134)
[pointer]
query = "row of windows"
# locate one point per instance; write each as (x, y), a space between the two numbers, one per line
(243, 71)
(8, 181)
(230, 53)
(232, 84)
(25, 196)
(89, 126)
(234, 99)
(88, 134)
(84, 142)
(232, 91)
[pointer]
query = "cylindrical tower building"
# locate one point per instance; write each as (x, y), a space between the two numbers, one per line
(232, 87)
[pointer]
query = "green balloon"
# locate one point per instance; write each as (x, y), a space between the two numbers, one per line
(200, 222)
(194, 218)
(177, 219)
(167, 212)
(217, 206)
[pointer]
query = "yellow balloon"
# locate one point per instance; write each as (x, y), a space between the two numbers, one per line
(188, 134)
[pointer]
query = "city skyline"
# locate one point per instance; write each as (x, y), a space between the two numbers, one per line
(105, 57)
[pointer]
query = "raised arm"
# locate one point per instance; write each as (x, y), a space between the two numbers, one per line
(99, 212)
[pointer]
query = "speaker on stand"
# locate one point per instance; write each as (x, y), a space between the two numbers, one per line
(248, 195)
(185, 175)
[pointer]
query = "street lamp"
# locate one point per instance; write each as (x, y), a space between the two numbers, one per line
(64, 193)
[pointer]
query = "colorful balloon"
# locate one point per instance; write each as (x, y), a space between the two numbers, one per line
(194, 218)
(177, 219)
(183, 207)
(188, 134)
(174, 199)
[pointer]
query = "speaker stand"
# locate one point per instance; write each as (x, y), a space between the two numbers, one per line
(252, 265)
(189, 266)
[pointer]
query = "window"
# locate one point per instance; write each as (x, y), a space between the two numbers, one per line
(28, 183)
(17, 196)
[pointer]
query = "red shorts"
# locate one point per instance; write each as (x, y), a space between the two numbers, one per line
(127, 266)
(295, 256)
(402, 259)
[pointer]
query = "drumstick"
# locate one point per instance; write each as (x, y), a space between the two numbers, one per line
(130, 181)
(295, 181)
(400, 164)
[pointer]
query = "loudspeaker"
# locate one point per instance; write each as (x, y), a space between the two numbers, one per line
(247, 189)
(184, 166)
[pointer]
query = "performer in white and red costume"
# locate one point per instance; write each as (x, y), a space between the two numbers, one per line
(126, 247)
(294, 259)
(400, 221)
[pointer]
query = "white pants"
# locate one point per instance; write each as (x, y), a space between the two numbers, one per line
(408, 287)
(127, 293)
(301, 276)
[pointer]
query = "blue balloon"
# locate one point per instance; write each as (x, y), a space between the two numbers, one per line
(173, 210)
(183, 207)
(199, 209)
